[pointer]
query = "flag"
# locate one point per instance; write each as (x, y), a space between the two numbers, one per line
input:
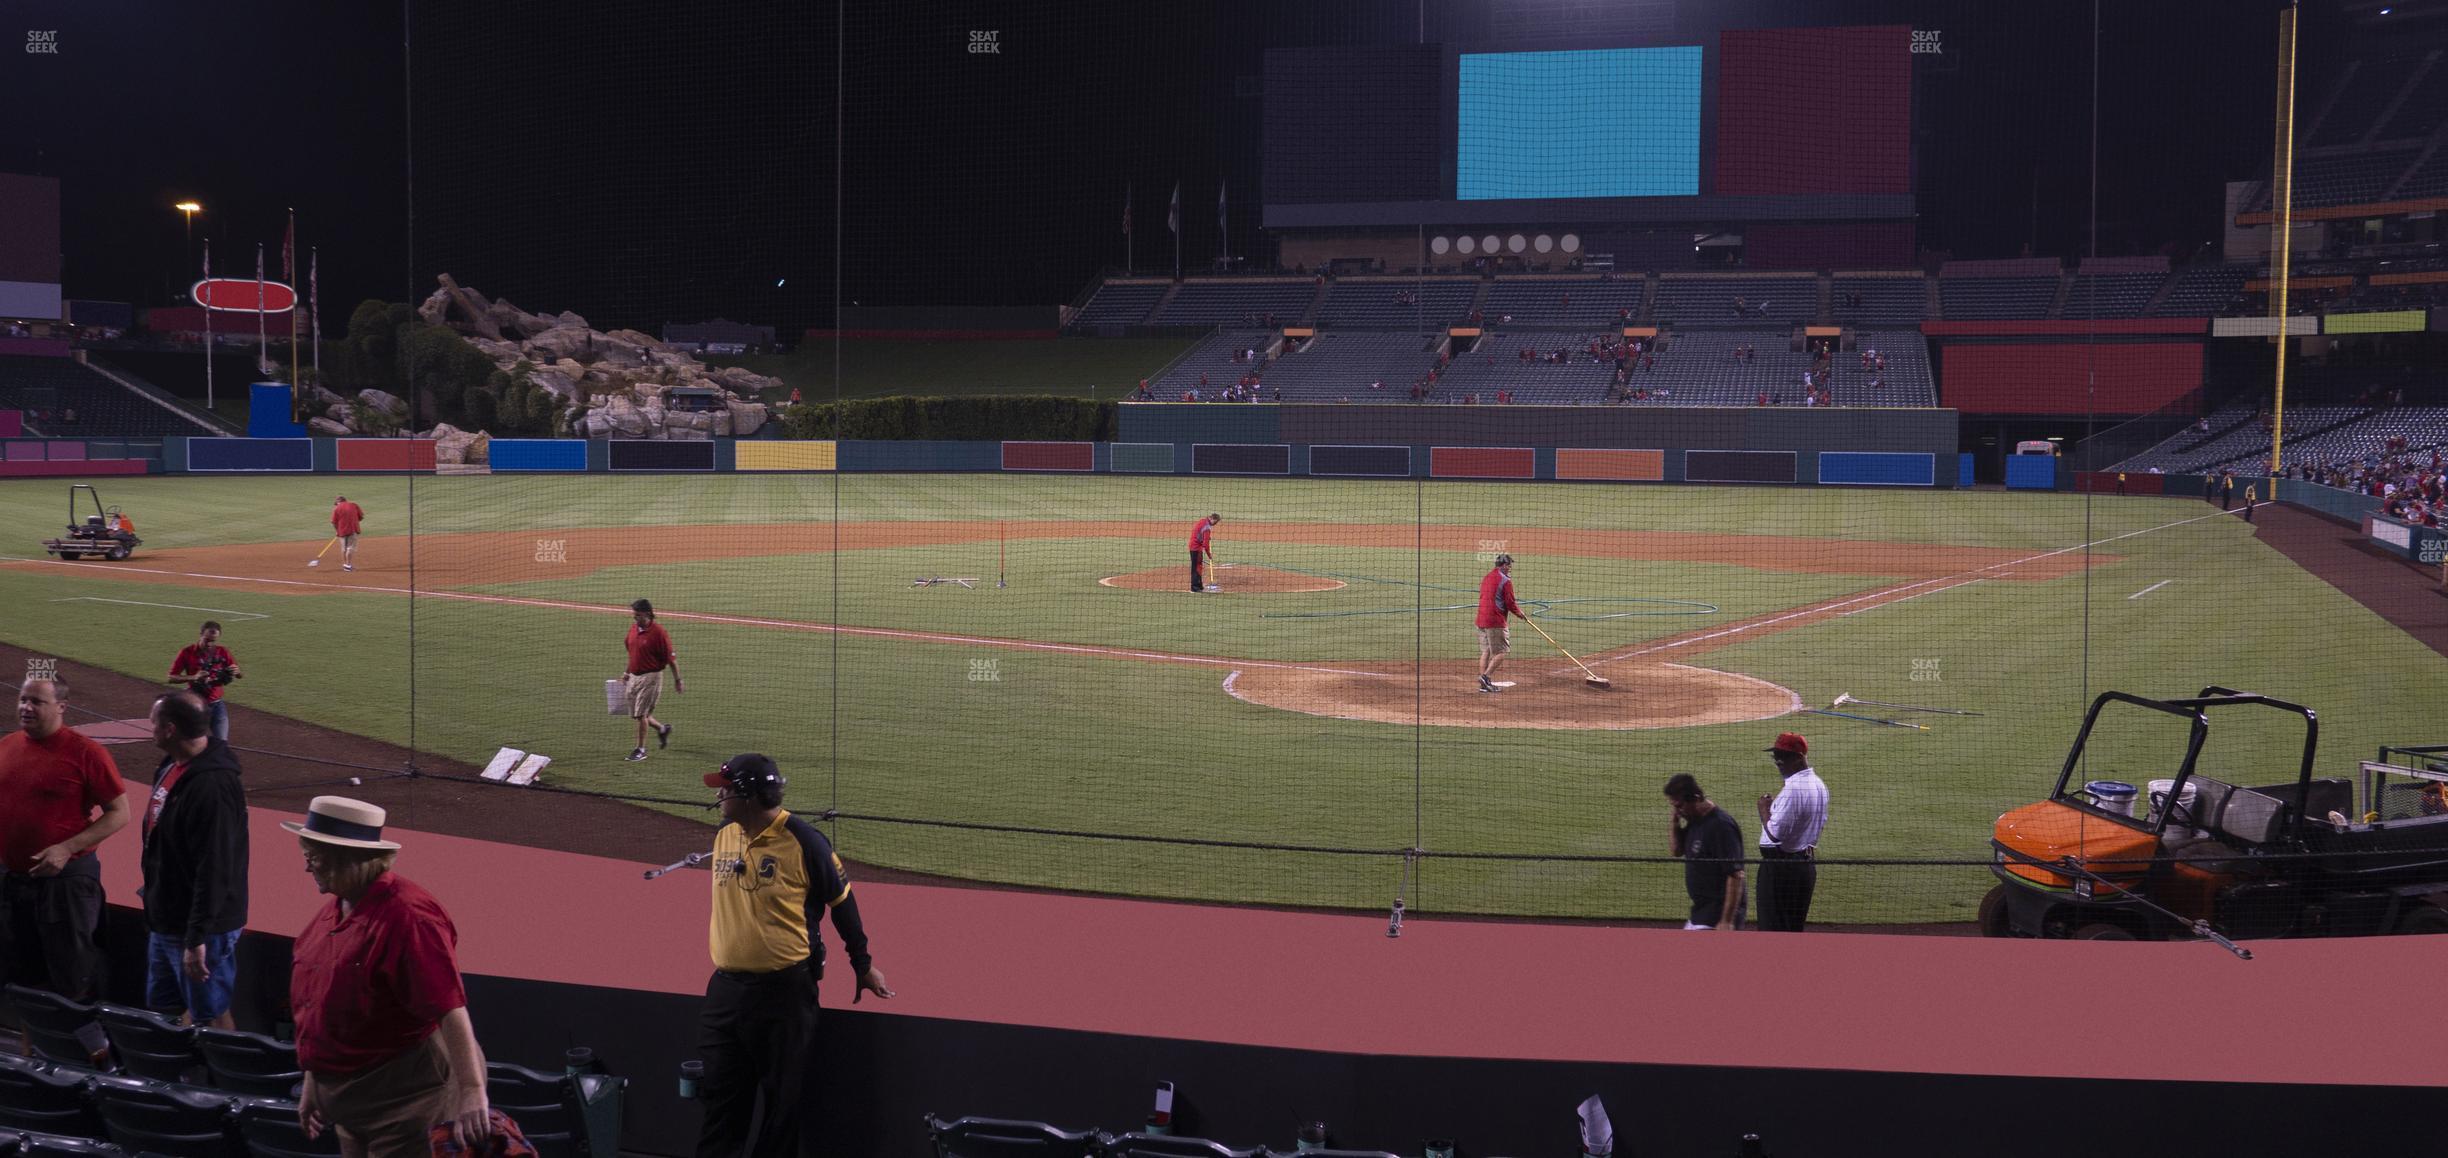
(1126, 206)
(1220, 206)
(289, 251)
(314, 300)
(1173, 215)
(207, 261)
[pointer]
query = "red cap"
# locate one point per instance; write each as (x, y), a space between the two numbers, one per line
(1790, 742)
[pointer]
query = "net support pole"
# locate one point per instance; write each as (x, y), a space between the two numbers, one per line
(2282, 240)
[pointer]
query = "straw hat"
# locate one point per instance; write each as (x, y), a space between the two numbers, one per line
(344, 822)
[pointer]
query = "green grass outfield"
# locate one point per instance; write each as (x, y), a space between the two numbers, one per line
(980, 733)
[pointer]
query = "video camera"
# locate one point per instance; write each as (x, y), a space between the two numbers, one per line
(217, 673)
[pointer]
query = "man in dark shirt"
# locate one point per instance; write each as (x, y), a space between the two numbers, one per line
(1710, 843)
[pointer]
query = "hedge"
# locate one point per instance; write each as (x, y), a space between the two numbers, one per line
(1032, 418)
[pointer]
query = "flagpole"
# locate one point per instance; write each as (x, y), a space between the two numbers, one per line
(289, 274)
(1224, 227)
(314, 303)
(208, 350)
(263, 343)
(1130, 240)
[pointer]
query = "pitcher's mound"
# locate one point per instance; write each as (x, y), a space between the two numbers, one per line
(1234, 581)
(1655, 695)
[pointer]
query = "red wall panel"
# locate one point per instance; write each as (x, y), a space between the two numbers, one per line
(1815, 110)
(1049, 456)
(2133, 378)
(384, 454)
(1481, 462)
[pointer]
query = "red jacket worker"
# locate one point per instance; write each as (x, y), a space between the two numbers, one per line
(346, 518)
(1201, 552)
(1495, 602)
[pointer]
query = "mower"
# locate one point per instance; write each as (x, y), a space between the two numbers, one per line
(2202, 857)
(98, 534)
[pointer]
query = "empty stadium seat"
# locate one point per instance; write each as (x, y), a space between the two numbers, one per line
(1170, 1146)
(104, 409)
(1005, 1138)
(178, 1121)
(1232, 303)
(2202, 291)
(36, 1096)
(1883, 301)
(61, 1146)
(269, 1128)
(1710, 301)
(1996, 298)
(1330, 1153)
(1374, 304)
(1587, 302)
(1120, 303)
(149, 1045)
(250, 1063)
(2118, 295)
(563, 1115)
(58, 1029)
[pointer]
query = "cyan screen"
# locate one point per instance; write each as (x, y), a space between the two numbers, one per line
(1615, 122)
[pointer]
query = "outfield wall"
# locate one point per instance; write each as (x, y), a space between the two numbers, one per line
(1769, 446)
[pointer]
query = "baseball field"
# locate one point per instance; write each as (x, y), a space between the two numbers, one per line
(1320, 704)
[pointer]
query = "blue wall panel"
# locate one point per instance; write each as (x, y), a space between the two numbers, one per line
(2031, 472)
(1870, 468)
(558, 454)
(248, 454)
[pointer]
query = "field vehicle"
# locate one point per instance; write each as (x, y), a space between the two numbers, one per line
(99, 534)
(2225, 861)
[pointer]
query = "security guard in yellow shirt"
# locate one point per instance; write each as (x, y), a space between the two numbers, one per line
(775, 875)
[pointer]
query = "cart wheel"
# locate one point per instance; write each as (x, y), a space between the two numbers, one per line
(117, 553)
(2424, 919)
(2104, 932)
(1993, 922)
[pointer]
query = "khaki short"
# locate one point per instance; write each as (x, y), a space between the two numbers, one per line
(1495, 640)
(645, 691)
(348, 540)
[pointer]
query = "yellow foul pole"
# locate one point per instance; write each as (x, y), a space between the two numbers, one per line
(2282, 240)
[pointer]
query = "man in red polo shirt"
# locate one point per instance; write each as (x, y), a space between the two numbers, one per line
(1202, 553)
(650, 651)
(382, 1022)
(52, 782)
(346, 518)
(1495, 602)
(206, 668)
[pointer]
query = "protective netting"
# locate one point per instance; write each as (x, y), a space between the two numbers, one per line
(1591, 306)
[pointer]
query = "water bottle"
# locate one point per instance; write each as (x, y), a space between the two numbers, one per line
(691, 1074)
(578, 1060)
(1311, 1137)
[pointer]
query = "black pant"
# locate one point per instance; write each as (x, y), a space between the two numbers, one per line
(1197, 580)
(47, 929)
(754, 1037)
(1786, 883)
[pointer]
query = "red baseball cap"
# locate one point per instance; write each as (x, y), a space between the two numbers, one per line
(1790, 742)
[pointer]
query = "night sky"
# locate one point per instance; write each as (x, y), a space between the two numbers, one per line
(643, 163)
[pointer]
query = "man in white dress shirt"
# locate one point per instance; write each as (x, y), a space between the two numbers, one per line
(1790, 823)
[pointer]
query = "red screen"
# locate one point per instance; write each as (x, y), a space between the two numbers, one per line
(2133, 379)
(1815, 110)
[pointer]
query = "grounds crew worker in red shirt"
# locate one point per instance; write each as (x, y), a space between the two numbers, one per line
(206, 668)
(650, 651)
(382, 1022)
(1201, 552)
(1495, 602)
(52, 781)
(346, 518)
(775, 876)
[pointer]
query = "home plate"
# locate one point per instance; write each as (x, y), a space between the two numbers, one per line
(118, 731)
(1502, 683)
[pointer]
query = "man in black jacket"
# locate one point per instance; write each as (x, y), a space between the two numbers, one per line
(195, 866)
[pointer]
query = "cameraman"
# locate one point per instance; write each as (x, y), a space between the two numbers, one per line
(205, 668)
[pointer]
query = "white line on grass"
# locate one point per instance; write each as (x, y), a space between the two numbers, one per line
(746, 621)
(2149, 589)
(171, 606)
(1879, 595)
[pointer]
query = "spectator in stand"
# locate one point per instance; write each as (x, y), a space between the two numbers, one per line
(1762, 400)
